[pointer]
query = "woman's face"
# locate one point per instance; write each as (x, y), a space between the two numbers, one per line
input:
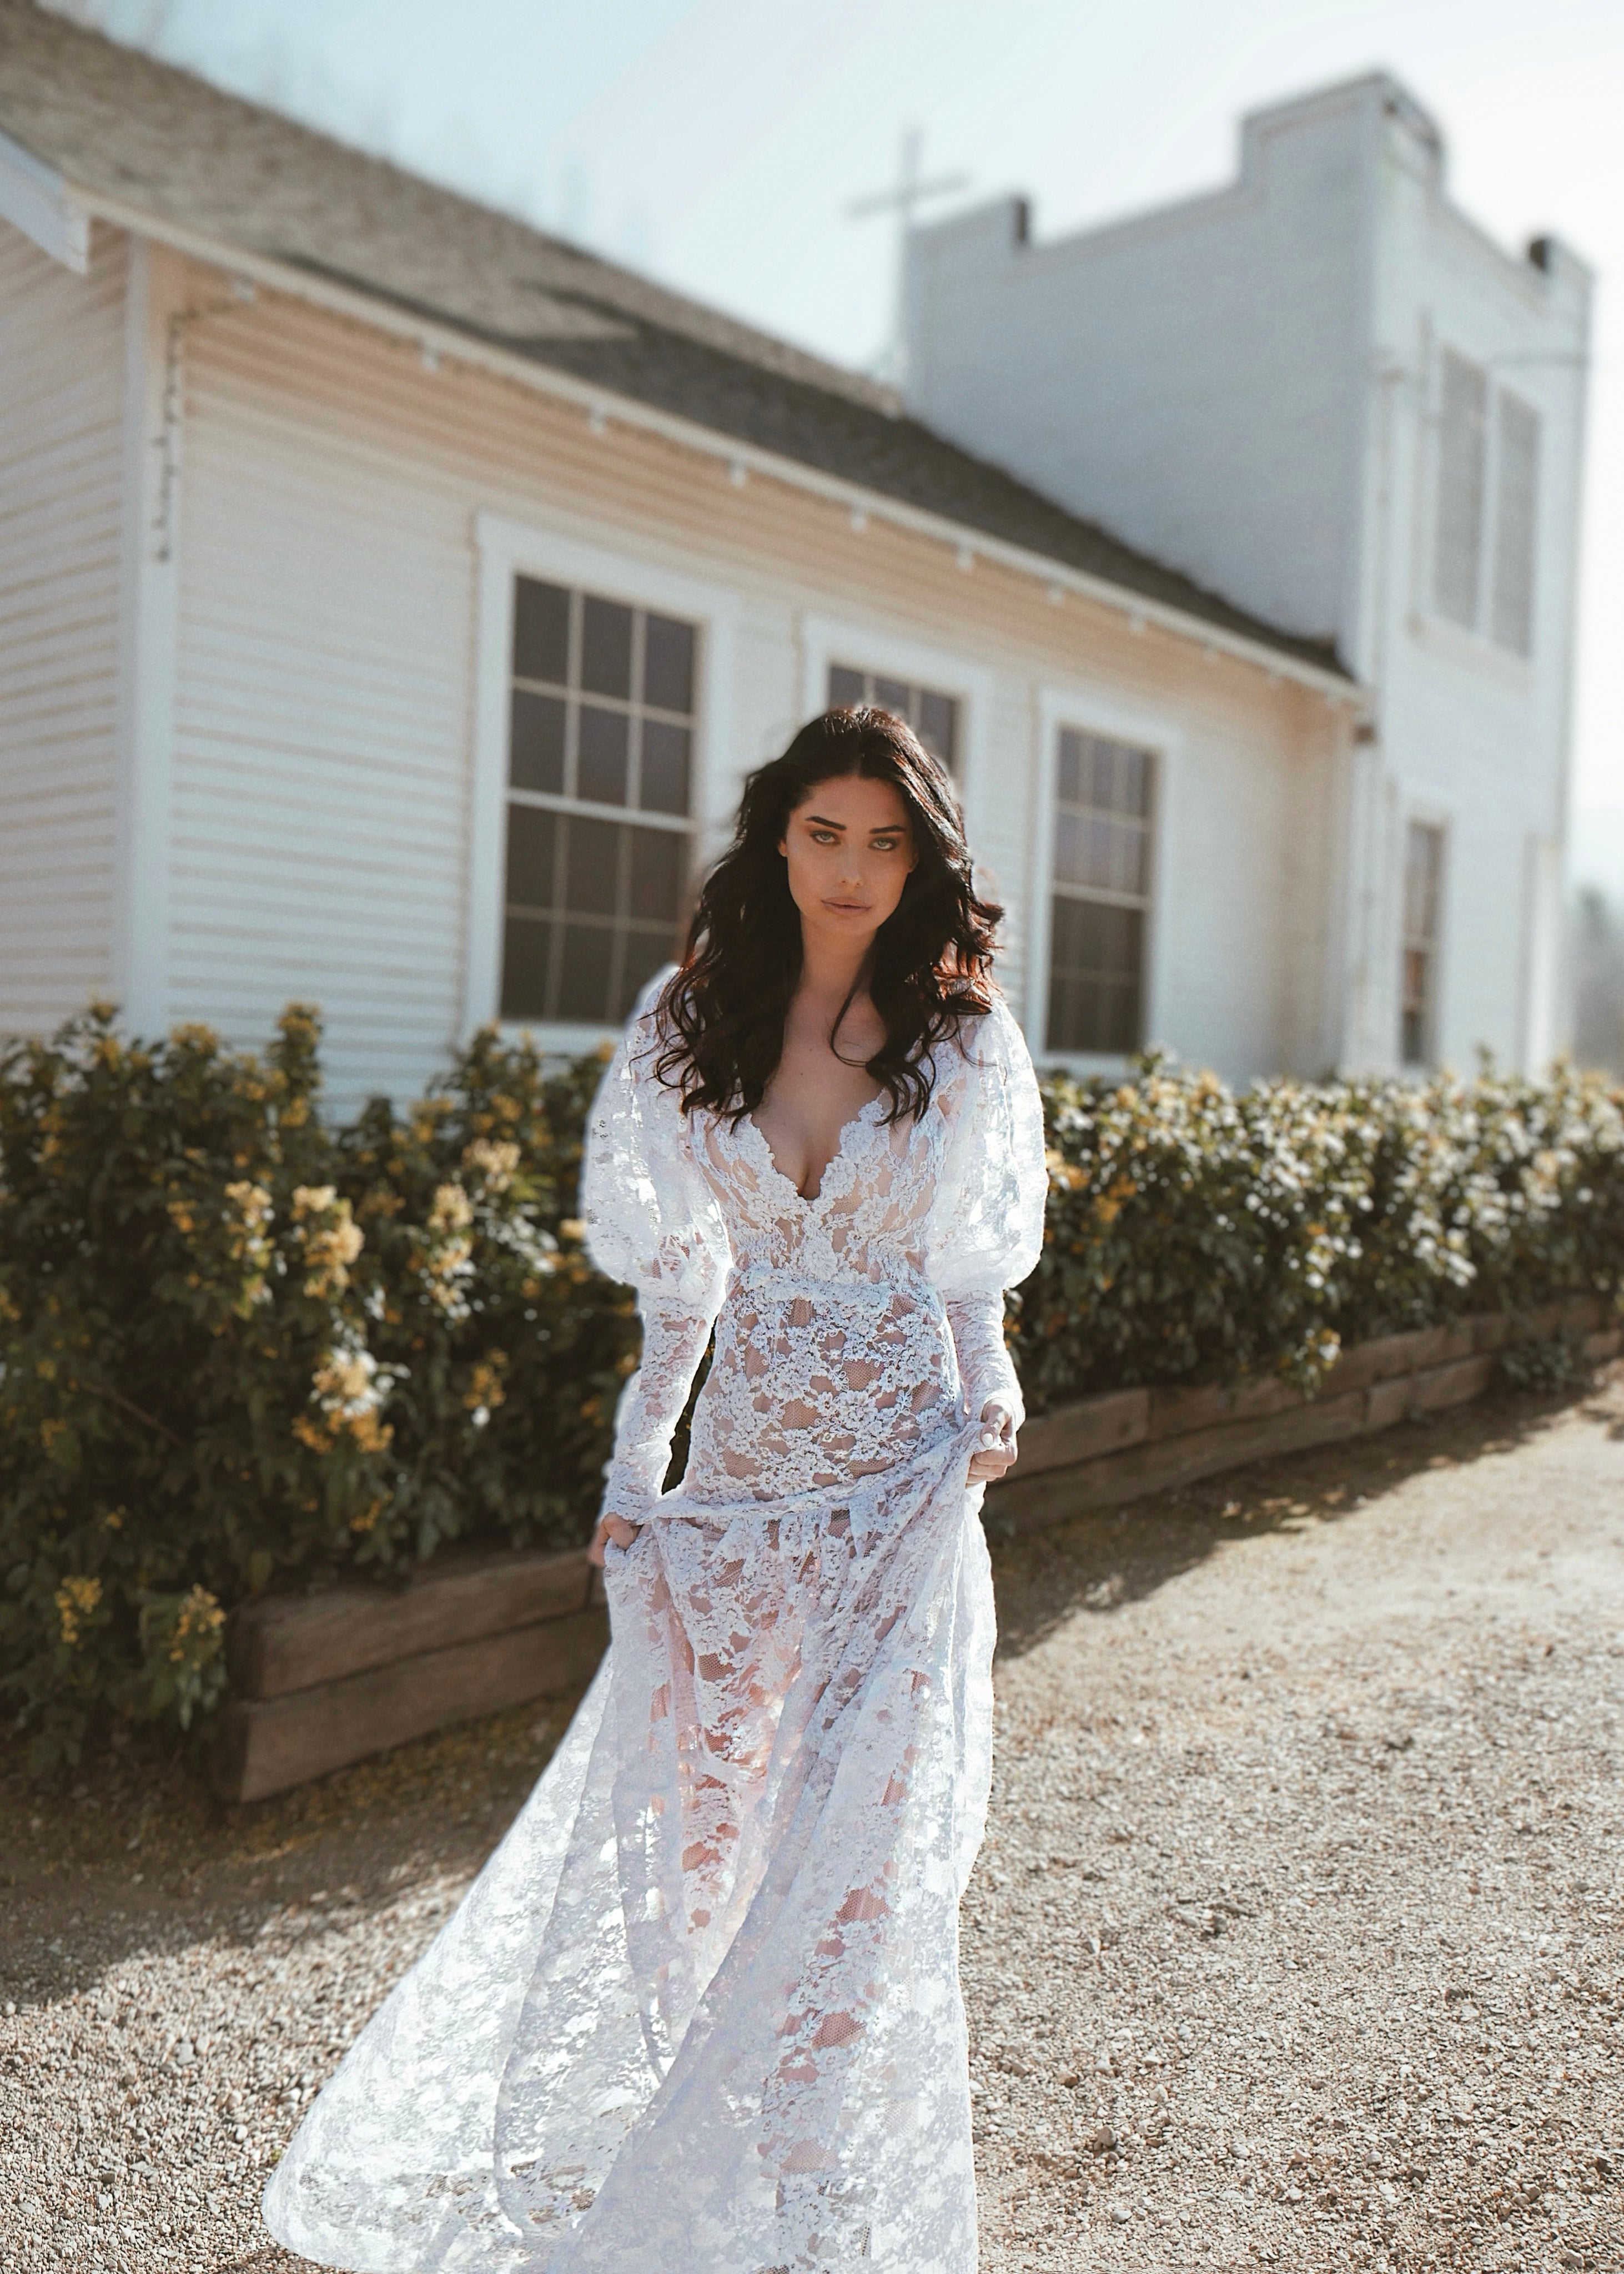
(849, 851)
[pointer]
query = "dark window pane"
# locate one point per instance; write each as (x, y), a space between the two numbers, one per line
(584, 974)
(664, 767)
(1069, 783)
(537, 746)
(531, 834)
(1462, 444)
(643, 954)
(540, 631)
(606, 648)
(667, 664)
(657, 874)
(892, 695)
(601, 773)
(592, 851)
(936, 723)
(526, 945)
(1097, 960)
(1135, 783)
(846, 688)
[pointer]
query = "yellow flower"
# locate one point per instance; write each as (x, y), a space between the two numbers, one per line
(497, 1158)
(329, 1248)
(198, 1626)
(76, 1601)
(370, 1433)
(452, 1211)
(345, 1375)
(484, 1386)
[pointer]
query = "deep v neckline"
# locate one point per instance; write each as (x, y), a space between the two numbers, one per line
(803, 1199)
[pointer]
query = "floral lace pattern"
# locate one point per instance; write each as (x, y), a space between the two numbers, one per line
(700, 2011)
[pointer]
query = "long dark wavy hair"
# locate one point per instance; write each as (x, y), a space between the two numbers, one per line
(721, 1016)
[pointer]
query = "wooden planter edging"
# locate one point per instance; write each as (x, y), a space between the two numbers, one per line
(320, 1681)
(1129, 1442)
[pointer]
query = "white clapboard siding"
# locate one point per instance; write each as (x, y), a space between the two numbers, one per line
(61, 467)
(325, 698)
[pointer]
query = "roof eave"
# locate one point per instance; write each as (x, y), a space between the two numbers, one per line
(77, 207)
(39, 204)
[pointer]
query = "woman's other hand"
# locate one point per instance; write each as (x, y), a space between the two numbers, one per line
(997, 1450)
(609, 1527)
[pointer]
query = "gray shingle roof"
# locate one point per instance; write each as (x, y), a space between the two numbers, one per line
(166, 144)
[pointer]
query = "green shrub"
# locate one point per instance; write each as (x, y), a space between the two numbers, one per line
(1195, 1233)
(242, 1347)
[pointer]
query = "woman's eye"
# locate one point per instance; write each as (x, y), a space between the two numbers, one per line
(824, 837)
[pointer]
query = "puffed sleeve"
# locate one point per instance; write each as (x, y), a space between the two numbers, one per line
(653, 1222)
(985, 1231)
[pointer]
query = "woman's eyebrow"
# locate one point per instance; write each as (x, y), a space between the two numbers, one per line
(824, 822)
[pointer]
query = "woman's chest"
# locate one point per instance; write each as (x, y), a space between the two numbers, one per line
(813, 1096)
(872, 1201)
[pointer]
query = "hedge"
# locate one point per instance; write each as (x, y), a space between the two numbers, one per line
(245, 1347)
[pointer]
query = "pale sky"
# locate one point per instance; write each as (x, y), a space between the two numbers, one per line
(717, 143)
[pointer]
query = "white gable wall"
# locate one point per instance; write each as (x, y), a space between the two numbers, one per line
(1191, 378)
(1247, 385)
(60, 520)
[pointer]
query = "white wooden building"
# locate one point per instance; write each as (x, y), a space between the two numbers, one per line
(393, 598)
(1325, 393)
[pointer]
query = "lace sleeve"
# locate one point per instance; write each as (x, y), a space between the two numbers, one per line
(986, 1226)
(653, 1222)
(985, 1367)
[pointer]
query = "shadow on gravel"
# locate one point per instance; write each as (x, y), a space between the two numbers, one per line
(138, 1856)
(1112, 1556)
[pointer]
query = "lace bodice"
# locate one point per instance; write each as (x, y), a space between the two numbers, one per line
(850, 1327)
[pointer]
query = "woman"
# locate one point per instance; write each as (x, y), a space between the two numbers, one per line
(700, 2012)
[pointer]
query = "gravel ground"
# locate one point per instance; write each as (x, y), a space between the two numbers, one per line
(1297, 1940)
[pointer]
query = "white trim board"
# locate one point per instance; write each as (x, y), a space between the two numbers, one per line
(37, 202)
(505, 549)
(1080, 707)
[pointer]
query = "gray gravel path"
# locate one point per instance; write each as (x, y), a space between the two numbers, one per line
(1297, 1940)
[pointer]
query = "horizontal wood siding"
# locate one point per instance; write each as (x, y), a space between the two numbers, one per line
(61, 472)
(325, 699)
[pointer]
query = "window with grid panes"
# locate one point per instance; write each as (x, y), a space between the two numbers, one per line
(1488, 454)
(599, 838)
(1100, 907)
(933, 716)
(1423, 871)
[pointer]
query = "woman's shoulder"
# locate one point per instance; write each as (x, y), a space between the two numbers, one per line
(991, 1039)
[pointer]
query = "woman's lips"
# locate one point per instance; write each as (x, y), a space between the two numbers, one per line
(848, 907)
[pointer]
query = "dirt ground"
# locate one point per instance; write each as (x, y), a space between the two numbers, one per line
(1297, 1940)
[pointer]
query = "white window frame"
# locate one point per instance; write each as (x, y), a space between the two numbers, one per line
(1475, 644)
(1429, 813)
(506, 550)
(870, 646)
(1087, 712)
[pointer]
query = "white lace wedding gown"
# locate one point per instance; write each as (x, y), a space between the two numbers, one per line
(700, 2011)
